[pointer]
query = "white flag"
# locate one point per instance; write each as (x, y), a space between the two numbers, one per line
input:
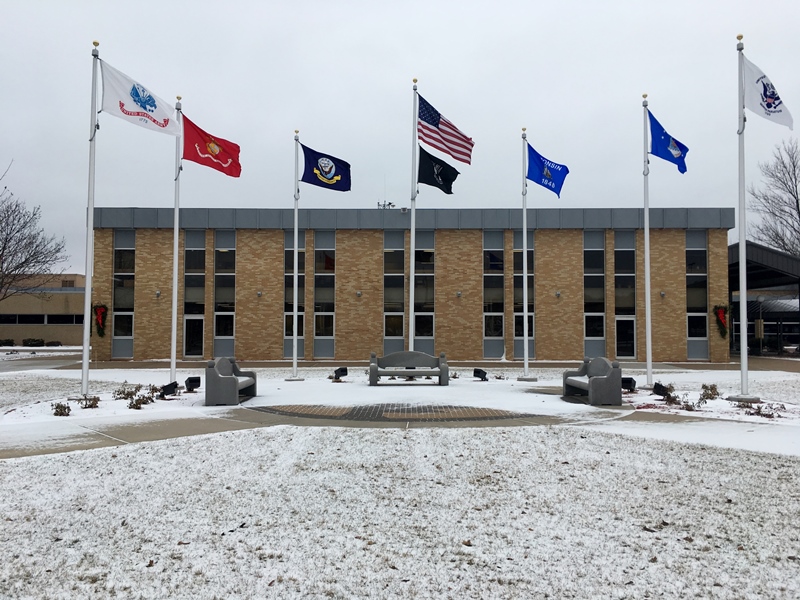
(131, 101)
(762, 98)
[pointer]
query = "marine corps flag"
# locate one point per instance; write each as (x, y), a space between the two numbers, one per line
(325, 170)
(435, 172)
(211, 151)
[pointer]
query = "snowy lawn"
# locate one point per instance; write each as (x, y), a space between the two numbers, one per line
(595, 510)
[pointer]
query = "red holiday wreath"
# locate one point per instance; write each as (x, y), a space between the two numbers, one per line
(100, 314)
(721, 313)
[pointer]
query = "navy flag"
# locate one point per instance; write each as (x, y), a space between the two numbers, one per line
(663, 145)
(435, 172)
(545, 172)
(326, 171)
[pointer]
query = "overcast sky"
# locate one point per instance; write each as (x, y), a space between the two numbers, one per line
(572, 72)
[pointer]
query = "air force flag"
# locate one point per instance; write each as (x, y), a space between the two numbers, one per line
(545, 172)
(663, 145)
(325, 170)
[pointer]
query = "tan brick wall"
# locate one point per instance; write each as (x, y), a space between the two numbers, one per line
(259, 319)
(152, 321)
(102, 286)
(459, 268)
(668, 274)
(359, 319)
(718, 347)
(611, 300)
(559, 320)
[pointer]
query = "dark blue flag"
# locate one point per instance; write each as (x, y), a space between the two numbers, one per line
(545, 172)
(326, 171)
(663, 145)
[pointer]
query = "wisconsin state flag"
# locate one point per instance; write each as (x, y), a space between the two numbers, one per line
(209, 150)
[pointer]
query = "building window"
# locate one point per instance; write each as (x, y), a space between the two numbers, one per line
(697, 293)
(594, 292)
(519, 331)
(194, 277)
(67, 283)
(224, 285)
(324, 293)
(288, 283)
(424, 286)
(123, 292)
(394, 279)
(625, 293)
(493, 294)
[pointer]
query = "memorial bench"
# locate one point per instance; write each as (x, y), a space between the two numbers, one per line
(225, 382)
(408, 364)
(599, 379)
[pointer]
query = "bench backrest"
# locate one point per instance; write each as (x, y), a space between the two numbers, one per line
(408, 359)
(223, 366)
(599, 367)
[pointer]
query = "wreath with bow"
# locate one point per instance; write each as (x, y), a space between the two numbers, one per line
(721, 313)
(100, 315)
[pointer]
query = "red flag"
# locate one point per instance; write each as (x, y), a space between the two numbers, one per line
(211, 151)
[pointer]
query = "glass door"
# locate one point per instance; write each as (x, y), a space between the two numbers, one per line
(193, 336)
(626, 337)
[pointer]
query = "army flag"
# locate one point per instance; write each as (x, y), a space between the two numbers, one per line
(545, 172)
(130, 101)
(325, 170)
(663, 145)
(211, 151)
(761, 97)
(435, 172)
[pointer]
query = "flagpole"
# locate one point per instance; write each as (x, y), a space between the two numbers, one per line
(412, 258)
(87, 295)
(525, 331)
(648, 328)
(295, 278)
(743, 346)
(175, 236)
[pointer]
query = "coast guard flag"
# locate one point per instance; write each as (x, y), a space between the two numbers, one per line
(435, 172)
(325, 170)
(132, 102)
(436, 131)
(545, 172)
(211, 151)
(663, 145)
(762, 98)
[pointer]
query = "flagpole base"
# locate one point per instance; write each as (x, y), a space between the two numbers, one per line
(744, 399)
(294, 379)
(523, 378)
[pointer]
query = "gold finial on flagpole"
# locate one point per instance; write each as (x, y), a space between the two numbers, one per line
(95, 43)
(296, 131)
(414, 80)
(644, 96)
(524, 129)
(739, 37)
(179, 98)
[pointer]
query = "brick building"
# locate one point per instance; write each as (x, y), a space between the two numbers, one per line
(586, 286)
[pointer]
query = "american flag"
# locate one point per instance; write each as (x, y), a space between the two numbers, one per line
(435, 130)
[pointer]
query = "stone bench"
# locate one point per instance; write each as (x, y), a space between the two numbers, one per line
(408, 364)
(599, 379)
(225, 382)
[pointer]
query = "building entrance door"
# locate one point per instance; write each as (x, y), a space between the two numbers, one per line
(193, 336)
(626, 337)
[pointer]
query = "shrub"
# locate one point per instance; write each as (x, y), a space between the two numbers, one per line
(7, 342)
(710, 392)
(60, 409)
(89, 402)
(137, 395)
(33, 342)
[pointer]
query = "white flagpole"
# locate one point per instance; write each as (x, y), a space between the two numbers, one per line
(525, 331)
(742, 226)
(295, 277)
(87, 295)
(412, 258)
(175, 235)
(648, 328)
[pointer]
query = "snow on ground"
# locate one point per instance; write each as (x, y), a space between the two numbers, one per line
(600, 508)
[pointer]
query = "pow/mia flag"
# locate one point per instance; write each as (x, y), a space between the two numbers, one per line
(435, 172)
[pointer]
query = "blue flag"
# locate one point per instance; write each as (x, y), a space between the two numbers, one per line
(325, 170)
(663, 145)
(545, 172)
